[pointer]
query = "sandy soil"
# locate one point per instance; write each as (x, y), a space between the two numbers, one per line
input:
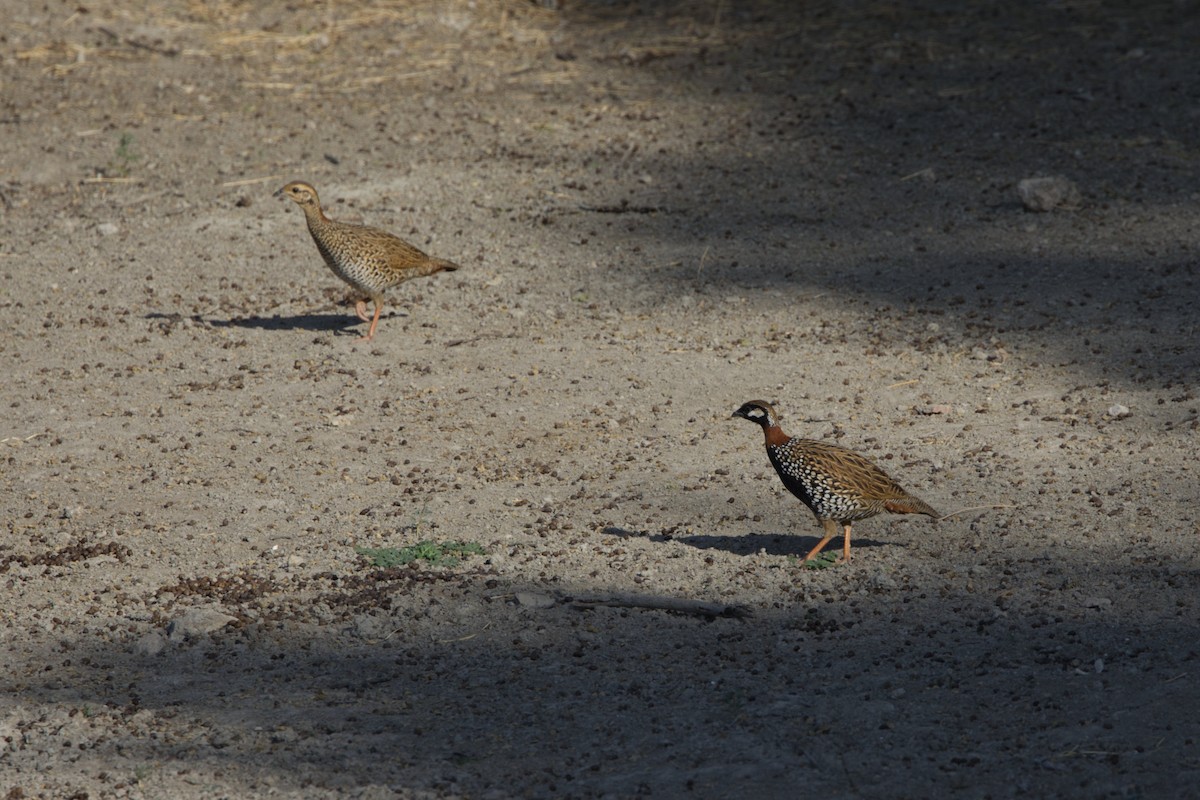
(663, 209)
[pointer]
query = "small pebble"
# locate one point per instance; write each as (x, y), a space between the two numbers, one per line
(371, 627)
(196, 622)
(150, 645)
(535, 600)
(1047, 194)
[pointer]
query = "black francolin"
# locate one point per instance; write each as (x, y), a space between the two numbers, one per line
(368, 259)
(838, 485)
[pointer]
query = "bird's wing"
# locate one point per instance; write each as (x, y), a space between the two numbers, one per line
(397, 250)
(850, 471)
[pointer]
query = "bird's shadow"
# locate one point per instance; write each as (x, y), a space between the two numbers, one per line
(775, 544)
(339, 323)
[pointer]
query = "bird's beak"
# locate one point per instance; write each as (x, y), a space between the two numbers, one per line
(278, 193)
(737, 414)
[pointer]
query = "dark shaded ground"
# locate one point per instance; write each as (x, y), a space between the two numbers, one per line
(663, 210)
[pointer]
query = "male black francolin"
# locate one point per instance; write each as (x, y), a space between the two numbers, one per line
(367, 258)
(838, 485)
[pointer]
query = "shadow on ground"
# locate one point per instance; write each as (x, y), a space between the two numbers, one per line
(341, 324)
(816, 695)
(305, 322)
(892, 180)
(772, 544)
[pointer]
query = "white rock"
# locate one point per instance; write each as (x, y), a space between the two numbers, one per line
(370, 627)
(196, 622)
(535, 600)
(150, 645)
(1047, 194)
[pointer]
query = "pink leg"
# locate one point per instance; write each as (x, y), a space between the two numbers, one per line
(830, 531)
(360, 308)
(375, 321)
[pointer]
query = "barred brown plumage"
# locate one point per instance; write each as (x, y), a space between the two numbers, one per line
(838, 485)
(368, 259)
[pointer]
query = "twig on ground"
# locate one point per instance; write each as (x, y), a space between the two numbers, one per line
(677, 604)
(19, 440)
(972, 508)
(480, 337)
(249, 181)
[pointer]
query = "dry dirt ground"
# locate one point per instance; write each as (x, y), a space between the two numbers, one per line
(663, 209)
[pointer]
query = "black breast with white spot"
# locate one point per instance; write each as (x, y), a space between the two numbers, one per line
(816, 487)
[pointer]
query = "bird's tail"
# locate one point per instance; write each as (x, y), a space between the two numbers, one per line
(910, 505)
(440, 265)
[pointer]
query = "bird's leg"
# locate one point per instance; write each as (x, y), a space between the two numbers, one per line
(374, 321)
(846, 547)
(360, 308)
(831, 530)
